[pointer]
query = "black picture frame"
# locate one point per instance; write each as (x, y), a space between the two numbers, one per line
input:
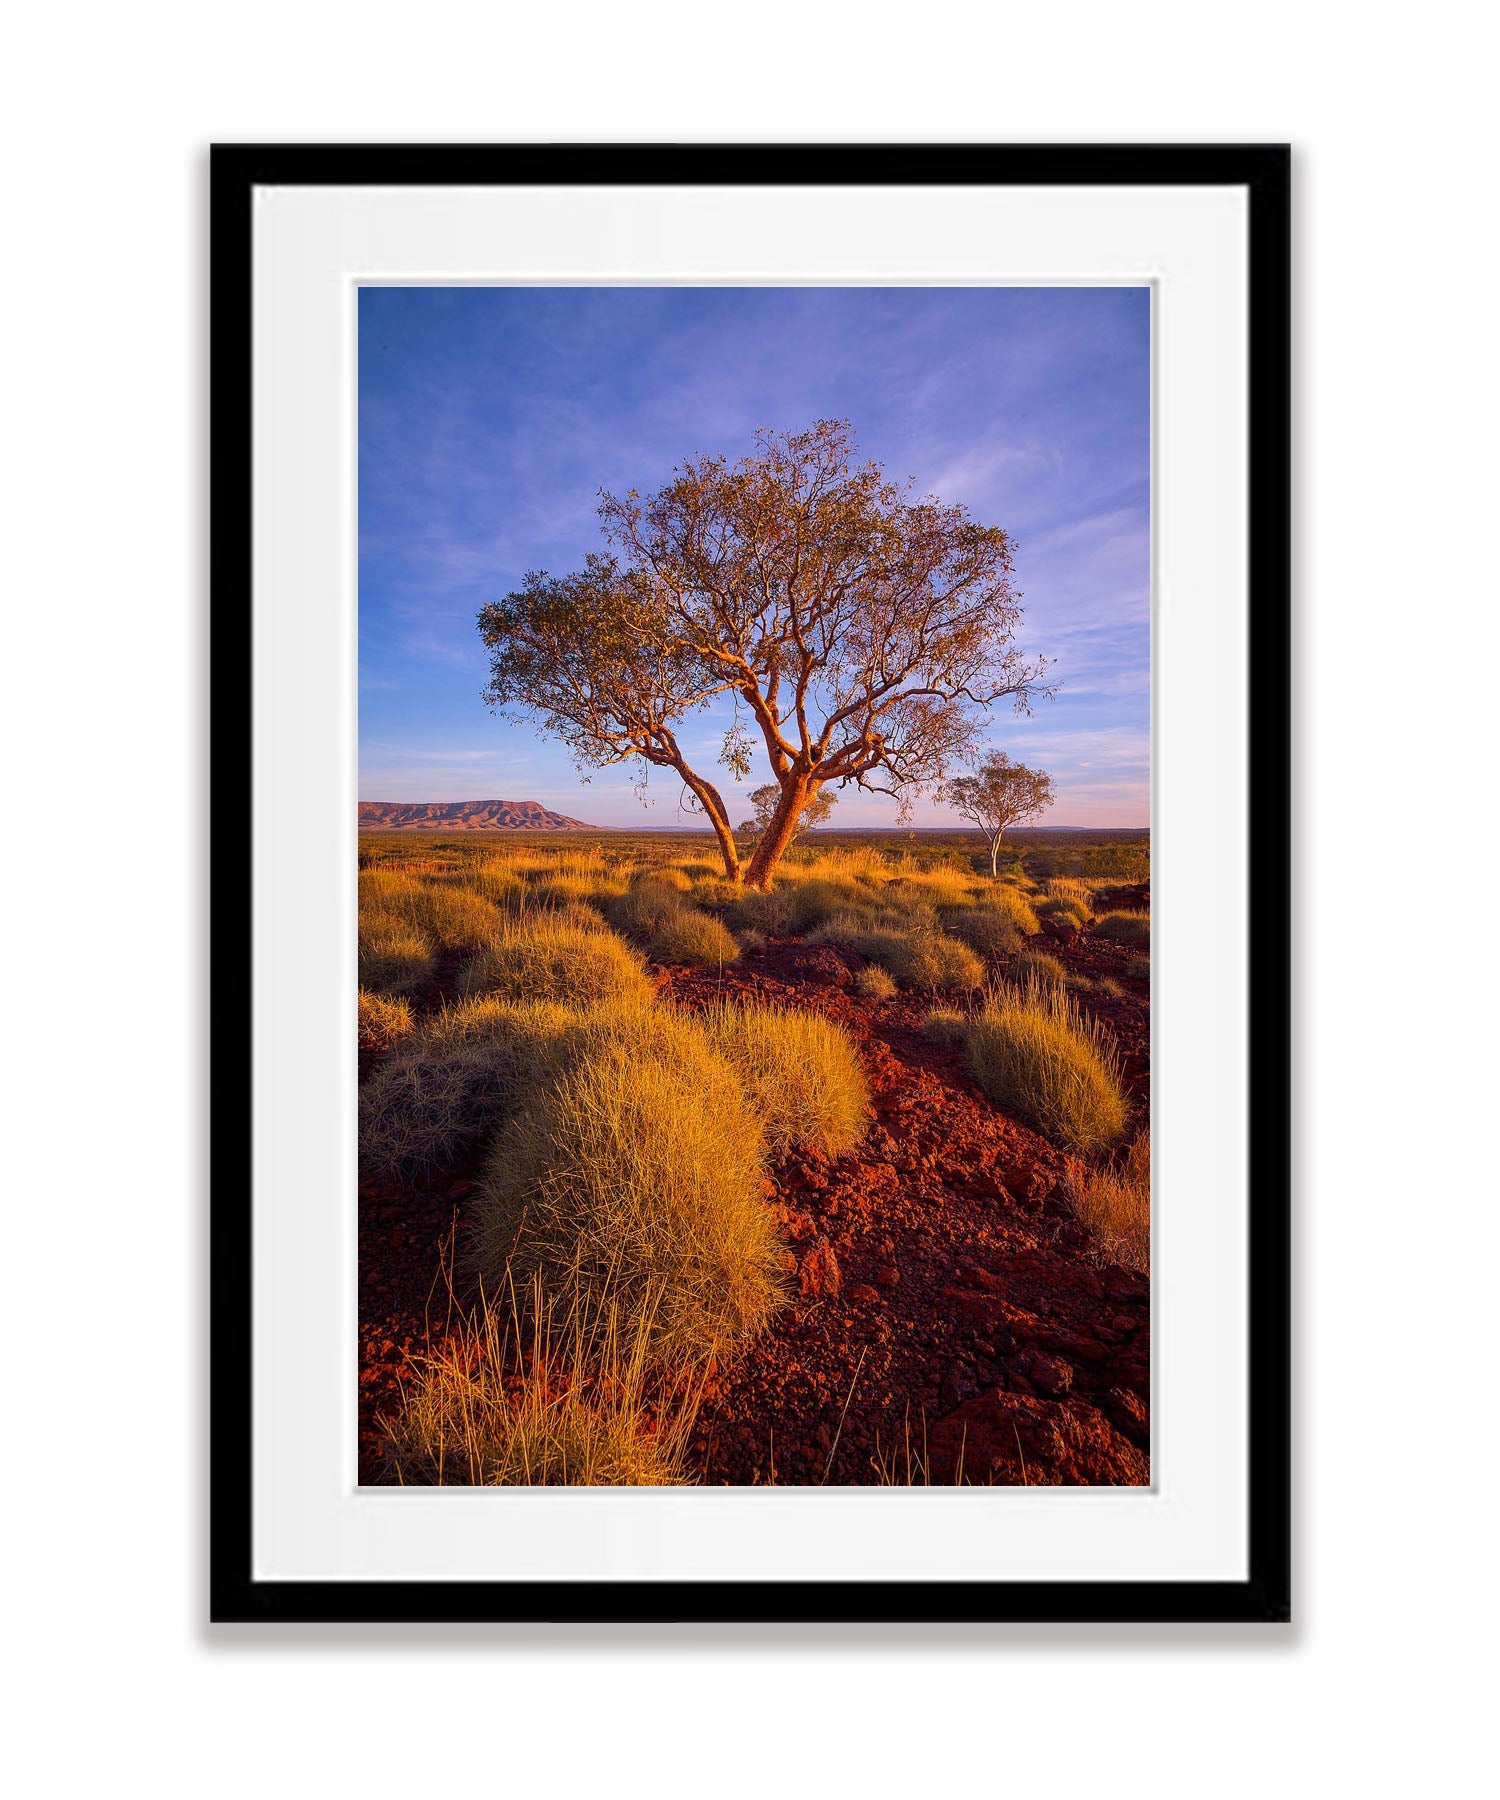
(1263, 171)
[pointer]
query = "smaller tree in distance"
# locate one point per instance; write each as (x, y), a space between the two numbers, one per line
(999, 793)
(766, 799)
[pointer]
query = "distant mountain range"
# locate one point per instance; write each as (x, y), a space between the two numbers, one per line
(463, 815)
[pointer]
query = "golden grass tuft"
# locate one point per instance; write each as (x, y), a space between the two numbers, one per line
(393, 959)
(1037, 966)
(1124, 927)
(696, 939)
(1010, 903)
(801, 1075)
(419, 1113)
(945, 1028)
(1115, 1204)
(987, 931)
(873, 983)
(383, 1022)
(451, 917)
(649, 906)
(522, 1401)
(1037, 1057)
(541, 956)
(921, 958)
(633, 1182)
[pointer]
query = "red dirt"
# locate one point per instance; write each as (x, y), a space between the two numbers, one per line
(950, 1319)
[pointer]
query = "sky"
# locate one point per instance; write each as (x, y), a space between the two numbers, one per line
(490, 418)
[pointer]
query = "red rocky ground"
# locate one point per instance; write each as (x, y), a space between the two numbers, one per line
(950, 1319)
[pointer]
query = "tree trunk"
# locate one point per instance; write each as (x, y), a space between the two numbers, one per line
(713, 806)
(796, 791)
(995, 857)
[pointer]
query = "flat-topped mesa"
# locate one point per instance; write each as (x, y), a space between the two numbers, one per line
(464, 815)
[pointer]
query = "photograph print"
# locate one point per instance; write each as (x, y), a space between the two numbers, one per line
(754, 886)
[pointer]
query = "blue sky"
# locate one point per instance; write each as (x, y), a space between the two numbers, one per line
(490, 418)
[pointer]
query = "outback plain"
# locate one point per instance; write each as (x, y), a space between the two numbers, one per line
(668, 1180)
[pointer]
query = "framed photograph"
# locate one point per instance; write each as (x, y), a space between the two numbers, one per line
(750, 731)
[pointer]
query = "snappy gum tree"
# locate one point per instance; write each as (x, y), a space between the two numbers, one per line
(861, 633)
(998, 794)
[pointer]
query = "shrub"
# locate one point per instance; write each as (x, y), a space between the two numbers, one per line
(1036, 1056)
(542, 957)
(1138, 969)
(873, 983)
(1036, 966)
(382, 1022)
(697, 939)
(801, 1075)
(1124, 927)
(1115, 1204)
(534, 1405)
(633, 1182)
(392, 958)
(987, 931)
(945, 1028)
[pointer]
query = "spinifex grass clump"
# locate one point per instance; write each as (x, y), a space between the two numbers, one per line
(448, 916)
(1063, 912)
(633, 1181)
(1037, 1057)
(518, 1397)
(945, 1028)
(1011, 904)
(696, 939)
(455, 1078)
(1115, 1204)
(543, 956)
(1125, 927)
(650, 905)
(383, 1023)
(920, 958)
(393, 959)
(801, 1075)
(1036, 966)
(872, 983)
(988, 931)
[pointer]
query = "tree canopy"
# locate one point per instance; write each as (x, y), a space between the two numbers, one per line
(998, 794)
(767, 798)
(859, 631)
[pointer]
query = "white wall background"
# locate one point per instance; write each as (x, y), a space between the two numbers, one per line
(1377, 1689)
